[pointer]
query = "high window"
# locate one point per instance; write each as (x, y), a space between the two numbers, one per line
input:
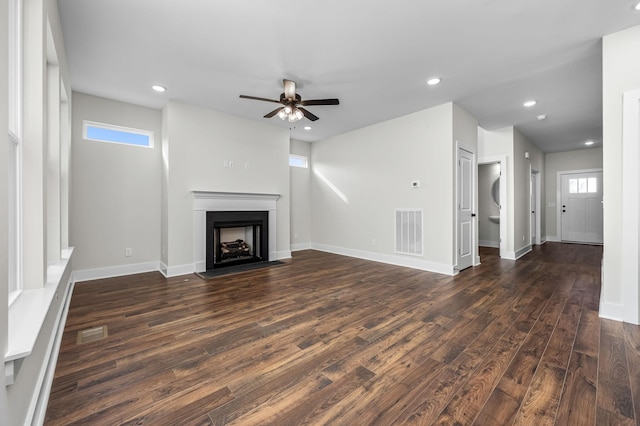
(116, 134)
(298, 161)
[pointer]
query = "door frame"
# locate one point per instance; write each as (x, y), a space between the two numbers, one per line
(535, 239)
(559, 195)
(504, 205)
(474, 201)
(630, 271)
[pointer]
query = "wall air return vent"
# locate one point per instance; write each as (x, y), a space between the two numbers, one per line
(409, 231)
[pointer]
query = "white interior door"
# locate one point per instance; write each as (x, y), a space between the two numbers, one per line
(465, 209)
(581, 208)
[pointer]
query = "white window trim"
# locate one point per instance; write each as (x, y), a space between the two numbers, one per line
(87, 123)
(15, 138)
(299, 157)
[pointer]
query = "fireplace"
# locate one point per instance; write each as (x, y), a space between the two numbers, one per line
(236, 237)
(206, 202)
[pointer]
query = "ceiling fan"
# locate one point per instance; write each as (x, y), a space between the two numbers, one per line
(293, 104)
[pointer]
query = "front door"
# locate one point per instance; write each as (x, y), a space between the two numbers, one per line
(582, 207)
(465, 209)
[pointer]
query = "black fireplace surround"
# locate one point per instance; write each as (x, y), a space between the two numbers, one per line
(218, 220)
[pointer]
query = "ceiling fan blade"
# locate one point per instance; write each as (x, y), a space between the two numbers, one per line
(307, 114)
(321, 102)
(289, 89)
(255, 98)
(274, 112)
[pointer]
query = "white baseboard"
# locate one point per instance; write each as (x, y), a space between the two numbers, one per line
(415, 263)
(515, 255)
(611, 311)
(302, 246)
(114, 271)
(489, 243)
(279, 255)
(509, 255)
(553, 238)
(521, 252)
(174, 271)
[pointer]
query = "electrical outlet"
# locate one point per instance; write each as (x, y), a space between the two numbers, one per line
(246, 166)
(230, 164)
(128, 252)
(373, 241)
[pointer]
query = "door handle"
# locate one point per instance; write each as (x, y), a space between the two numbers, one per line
(473, 215)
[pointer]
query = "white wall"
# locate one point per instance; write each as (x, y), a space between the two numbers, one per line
(360, 178)
(299, 184)
(116, 188)
(621, 73)
(522, 189)
(499, 144)
(198, 141)
(558, 162)
(512, 145)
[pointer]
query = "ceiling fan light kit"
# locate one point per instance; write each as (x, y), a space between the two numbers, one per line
(293, 103)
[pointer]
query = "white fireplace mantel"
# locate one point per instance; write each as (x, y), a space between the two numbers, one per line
(208, 201)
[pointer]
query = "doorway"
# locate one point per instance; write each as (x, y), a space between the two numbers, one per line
(489, 205)
(535, 208)
(492, 203)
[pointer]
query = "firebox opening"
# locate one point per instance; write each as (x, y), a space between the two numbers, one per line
(235, 238)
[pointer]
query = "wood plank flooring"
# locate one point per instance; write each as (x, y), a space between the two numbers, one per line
(326, 339)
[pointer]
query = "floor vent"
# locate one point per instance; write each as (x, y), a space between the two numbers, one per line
(409, 231)
(92, 334)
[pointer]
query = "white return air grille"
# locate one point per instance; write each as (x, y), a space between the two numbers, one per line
(409, 231)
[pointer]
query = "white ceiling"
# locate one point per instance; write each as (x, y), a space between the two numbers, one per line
(374, 55)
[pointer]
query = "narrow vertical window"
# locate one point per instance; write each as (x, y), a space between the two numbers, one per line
(14, 168)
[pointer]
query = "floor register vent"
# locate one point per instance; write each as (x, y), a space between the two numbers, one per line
(92, 334)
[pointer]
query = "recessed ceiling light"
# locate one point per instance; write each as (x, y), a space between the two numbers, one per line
(638, 6)
(433, 81)
(307, 127)
(589, 143)
(159, 88)
(530, 103)
(542, 117)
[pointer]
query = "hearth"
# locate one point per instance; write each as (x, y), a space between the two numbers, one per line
(236, 237)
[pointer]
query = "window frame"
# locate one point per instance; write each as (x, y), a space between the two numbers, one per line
(87, 123)
(14, 168)
(302, 158)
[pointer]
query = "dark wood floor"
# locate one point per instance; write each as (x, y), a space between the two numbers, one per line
(326, 339)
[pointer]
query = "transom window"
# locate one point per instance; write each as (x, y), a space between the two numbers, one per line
(583, 185)
(110, 133)
(298, 161)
